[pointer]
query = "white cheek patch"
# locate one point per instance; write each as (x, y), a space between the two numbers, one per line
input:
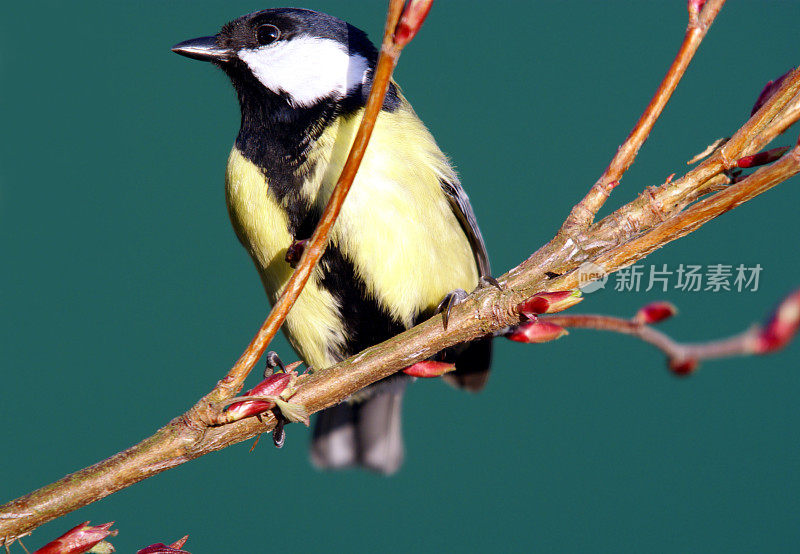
(307, 69)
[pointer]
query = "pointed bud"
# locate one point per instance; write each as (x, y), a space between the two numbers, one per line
(536, 331)
(549, 302)
(161, 548)
(429, 368)
(655, 312)
(762, 158)
(79, 539)
(272, 386)
(695, 6)
(411, 21)
(180, 542)
(781, 327)
(683, 367)
(273, 392)
(769, 89)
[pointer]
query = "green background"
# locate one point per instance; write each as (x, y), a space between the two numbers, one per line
(124, 294)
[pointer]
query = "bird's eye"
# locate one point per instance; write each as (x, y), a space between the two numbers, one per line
(266, 34)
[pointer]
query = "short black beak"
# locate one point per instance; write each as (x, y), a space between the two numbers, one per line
(204, 49)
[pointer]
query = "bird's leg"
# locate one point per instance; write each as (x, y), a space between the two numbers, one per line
(278, 434)
(274, 361)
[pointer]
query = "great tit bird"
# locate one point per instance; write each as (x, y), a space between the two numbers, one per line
(406, 237)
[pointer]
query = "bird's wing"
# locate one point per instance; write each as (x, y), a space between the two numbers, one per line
(472, 365)
(459, 202)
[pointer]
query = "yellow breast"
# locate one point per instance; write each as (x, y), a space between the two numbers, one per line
(396, 227)
(262, 227)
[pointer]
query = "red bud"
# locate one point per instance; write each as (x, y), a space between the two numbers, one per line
(655, 312)
(180, 542)
(781, 326)
(695, 6)
(273, 385)
(683, 367)
(762, 158)
(429, 368)
(769, 89)
(79, 539)
(275, 389)
(410, 22)
(536, 331)
(549, 302)
(161, 548)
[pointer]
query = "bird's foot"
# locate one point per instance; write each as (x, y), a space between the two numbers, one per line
(278, 434)
(272, 361)
(488, 280)
(273, 394)
(450, 300)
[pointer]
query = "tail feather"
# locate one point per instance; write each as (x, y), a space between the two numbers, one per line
(334, 444)
(380, 433)
(367, 434)
(367, 431)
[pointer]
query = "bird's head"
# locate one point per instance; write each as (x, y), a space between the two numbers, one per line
(302, 56)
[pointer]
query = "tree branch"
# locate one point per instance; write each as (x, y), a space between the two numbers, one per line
(658, 204)
(779, 329)
(657, 217)
(682, 358)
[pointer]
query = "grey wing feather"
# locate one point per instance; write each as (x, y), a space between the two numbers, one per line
(459, 202)
(473, 362)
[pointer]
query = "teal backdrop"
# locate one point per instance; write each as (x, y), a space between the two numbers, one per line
(125, 295)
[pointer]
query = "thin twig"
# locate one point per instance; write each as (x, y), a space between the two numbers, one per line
(660, 203)
(583, 213)
(702, 212)
(737, 345)
(778, 331)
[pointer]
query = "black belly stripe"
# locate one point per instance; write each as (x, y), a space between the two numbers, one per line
(365, 322)
(303, 223)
